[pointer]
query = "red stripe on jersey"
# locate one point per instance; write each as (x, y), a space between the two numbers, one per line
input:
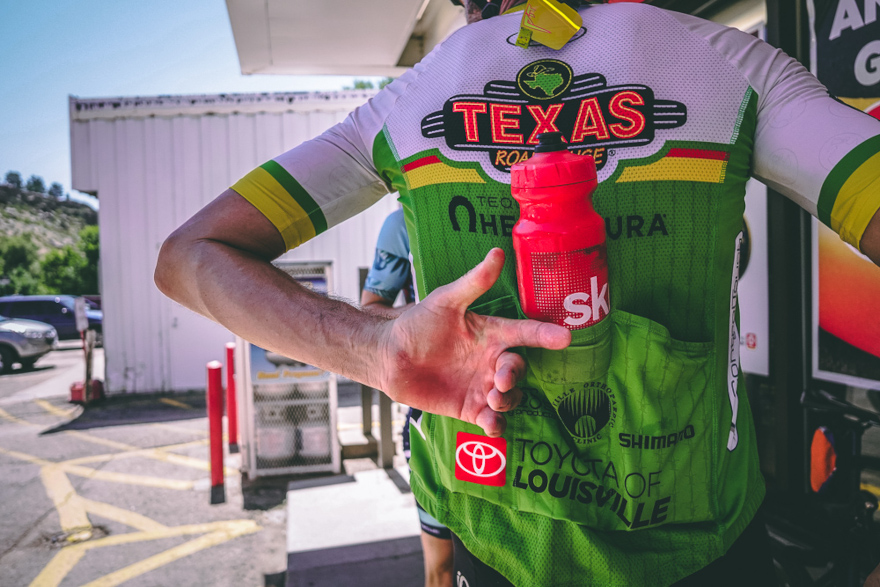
(421, 163)
(699, 154)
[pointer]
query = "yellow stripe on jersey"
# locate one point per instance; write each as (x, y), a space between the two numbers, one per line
(677, 169)
(441, 173)
(857, 201)
(262, 190)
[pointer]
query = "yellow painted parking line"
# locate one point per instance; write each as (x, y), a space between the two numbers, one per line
(185, 461)
(156, 453)
(104, 475)
(61, 564)
(133, 453)
(74, 510)
(238, 527)
(26, 457)
(127, 478)
(71, 511)
(175, 403)
(7, 416)
(129, 518)
(75, 469)
(168, 556)
(102, 441)
(160, 453)
(181, 445)
(55, 410)
(175, 428)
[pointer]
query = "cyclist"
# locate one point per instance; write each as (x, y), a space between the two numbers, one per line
(627, 456)
(389, 276)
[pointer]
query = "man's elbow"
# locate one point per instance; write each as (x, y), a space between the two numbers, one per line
(167, 276)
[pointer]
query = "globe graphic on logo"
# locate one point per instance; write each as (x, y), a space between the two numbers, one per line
(585, 412)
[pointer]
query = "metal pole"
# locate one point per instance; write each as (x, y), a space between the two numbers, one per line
(789, 277)
(215, 431)
(231, 405)
(386, 443)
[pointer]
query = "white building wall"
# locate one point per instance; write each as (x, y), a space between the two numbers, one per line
(154, 162)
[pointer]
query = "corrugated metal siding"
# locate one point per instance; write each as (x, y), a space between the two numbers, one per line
(151, 174)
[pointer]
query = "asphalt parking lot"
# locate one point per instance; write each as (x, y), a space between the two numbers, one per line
(120, 493)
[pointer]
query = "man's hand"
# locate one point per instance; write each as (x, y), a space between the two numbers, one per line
(445, 360)
(436, 356)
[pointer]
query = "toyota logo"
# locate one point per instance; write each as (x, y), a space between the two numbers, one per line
(479, 457)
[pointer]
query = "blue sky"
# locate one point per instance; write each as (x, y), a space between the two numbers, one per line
(50, 49)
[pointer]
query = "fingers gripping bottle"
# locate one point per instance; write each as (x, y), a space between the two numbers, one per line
(559, 239)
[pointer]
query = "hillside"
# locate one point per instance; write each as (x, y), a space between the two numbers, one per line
(53, 223)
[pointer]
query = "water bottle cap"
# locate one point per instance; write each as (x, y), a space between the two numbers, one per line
(552, 166)
(550, 141)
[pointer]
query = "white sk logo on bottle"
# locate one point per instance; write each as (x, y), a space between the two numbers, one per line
(579, 303)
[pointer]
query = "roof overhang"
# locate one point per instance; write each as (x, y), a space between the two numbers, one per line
(342, 37)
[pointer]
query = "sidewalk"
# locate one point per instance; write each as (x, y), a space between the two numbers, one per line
(359, 528)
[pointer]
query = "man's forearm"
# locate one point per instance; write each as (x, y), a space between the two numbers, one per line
(265, 306)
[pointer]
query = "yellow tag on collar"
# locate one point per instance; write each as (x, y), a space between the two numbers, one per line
(550, 23)
(525, 35)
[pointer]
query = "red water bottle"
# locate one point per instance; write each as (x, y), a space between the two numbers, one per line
(559, 239)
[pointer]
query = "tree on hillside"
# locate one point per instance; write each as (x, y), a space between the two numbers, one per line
(365, 84)
(35, 184)
(19, 255)
(73, 270)
(56, 191)
(13, 178)
(18, 252)
(360, 84)
(90, 247)
(23, 282)
(62, 270)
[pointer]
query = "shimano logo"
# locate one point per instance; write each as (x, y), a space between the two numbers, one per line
(480, 459)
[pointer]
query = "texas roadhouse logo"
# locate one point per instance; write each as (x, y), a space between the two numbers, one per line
(546, 96)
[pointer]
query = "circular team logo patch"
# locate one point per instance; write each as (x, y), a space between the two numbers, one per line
(587, 411)
(544, 79)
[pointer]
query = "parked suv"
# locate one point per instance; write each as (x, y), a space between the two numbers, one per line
(56, 311)
(24, 341)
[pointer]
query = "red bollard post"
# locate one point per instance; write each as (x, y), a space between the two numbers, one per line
(215, 431)
(231, 406)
